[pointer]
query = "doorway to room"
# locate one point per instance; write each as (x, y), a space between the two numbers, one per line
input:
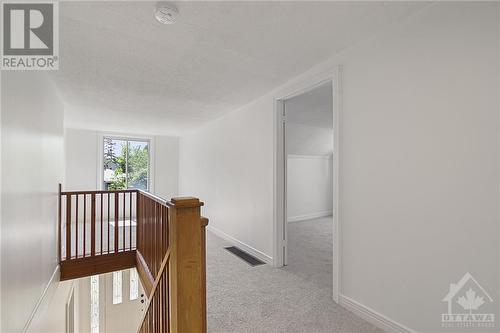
(309, 184)
(307, 224)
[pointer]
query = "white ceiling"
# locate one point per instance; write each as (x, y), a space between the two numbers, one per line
(120, 70)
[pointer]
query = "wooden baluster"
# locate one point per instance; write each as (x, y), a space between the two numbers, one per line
(116, 221)
(155, 241)
(160, 307)
(204, 223)
(84, 224)
(161, 234)
(164, 299)
(151, 319)
(124, 207)
(92, 225)
(153, 237)
(167, 229)
(155, 313)
(145, 248)
(76, 227)
(151, 233)
(130, 221)
(167, 296)
(101, 224)
(109, 225)
(59, 227)
(148, 234)
(138, 220)
(158, 257)
(144, 209)
(68, 227)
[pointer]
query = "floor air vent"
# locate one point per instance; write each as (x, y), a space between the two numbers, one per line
(248, 258)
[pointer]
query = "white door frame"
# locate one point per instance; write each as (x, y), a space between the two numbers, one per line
(280, 215)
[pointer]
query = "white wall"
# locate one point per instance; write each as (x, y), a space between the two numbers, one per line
(228, 165)
(51, 318)
(32, 167)
(166, 166)
(80, 147)
(419, 163)
(309, 140)
(81, 155)
(309, 187)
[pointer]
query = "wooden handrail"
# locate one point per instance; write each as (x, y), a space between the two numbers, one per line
(177, 296)
(100, 192)
(154, 197)
(105, 231)
(93, 225)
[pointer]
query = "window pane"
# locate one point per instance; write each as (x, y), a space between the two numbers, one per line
(134, 284)
(117, 287)
(115, 152)
(138, 164)
(94, 304)
(125, 164)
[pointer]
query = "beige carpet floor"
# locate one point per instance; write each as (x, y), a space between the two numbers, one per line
(296, 298)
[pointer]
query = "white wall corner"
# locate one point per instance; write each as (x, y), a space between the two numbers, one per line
(372, 316)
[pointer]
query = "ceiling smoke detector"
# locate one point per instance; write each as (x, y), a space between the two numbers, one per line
(166, 13)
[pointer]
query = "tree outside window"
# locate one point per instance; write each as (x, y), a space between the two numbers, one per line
(126, 164)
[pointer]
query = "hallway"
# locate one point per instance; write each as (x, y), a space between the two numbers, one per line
(297, 298)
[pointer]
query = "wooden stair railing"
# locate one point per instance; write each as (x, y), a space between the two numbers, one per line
(97, 232)
(105, 231)
(177, 295)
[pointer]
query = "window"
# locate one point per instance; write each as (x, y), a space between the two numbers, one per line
(94, 304)
(126, 163)
(134, 284)
(70, 313)
(117, 287)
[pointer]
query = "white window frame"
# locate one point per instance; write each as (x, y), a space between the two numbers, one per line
(121, 136)
(114, 283)
(133, 292)
(96, 329)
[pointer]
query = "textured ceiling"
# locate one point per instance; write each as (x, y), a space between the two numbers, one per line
(120, 70)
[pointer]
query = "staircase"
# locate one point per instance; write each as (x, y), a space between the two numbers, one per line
(106, 231)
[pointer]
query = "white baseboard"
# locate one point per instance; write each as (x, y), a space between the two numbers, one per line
(44, 299)
(311, 157)
(245, 247)
(311, 216)
(374, 317)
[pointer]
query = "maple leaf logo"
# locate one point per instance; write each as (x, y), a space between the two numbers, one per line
(470, 301)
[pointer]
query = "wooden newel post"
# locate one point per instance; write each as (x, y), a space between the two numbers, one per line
(187, 266)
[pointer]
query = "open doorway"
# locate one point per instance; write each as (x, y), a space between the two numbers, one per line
(307, 226)
(309, 184)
